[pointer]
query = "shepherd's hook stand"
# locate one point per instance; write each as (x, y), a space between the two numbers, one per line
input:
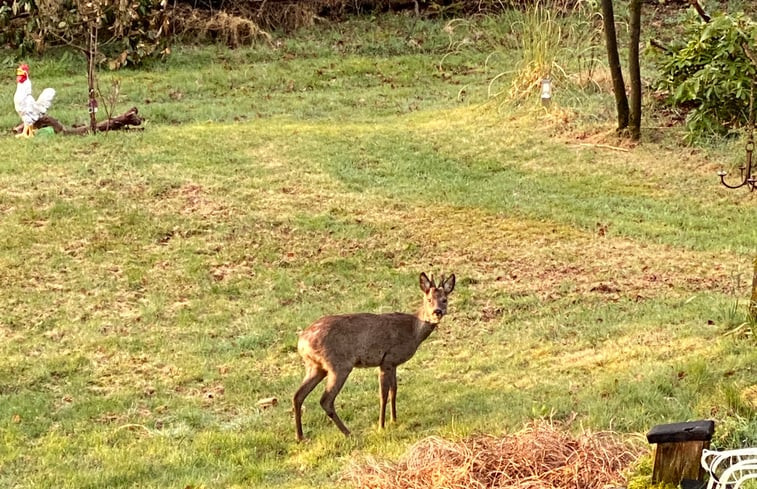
(746, 170)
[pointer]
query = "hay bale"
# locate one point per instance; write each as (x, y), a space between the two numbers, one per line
(541, 456)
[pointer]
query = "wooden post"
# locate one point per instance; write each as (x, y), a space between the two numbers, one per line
(679, 450)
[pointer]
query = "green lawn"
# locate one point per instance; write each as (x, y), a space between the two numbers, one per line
(153, 282)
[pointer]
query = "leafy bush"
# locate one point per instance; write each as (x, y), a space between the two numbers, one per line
(128, 32)
(711, 73)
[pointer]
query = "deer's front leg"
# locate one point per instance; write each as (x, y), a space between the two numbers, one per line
(385, 385)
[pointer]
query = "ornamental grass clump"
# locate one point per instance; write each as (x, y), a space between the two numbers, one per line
(557, 40)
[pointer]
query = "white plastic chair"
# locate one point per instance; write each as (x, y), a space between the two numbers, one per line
(729, 469)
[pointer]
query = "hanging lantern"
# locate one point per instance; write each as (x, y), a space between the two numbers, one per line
(546, 91)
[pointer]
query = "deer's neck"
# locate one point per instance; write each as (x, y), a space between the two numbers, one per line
(424, 326)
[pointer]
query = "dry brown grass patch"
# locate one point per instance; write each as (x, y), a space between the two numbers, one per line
(542, 455)
(232, 30)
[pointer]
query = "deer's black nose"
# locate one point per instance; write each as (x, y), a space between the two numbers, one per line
(438, 312)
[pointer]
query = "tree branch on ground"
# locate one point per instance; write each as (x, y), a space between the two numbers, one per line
(124, 121)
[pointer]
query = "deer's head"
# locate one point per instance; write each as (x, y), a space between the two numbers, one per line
(435, 298)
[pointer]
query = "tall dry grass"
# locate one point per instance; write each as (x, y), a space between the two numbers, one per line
(557, 40)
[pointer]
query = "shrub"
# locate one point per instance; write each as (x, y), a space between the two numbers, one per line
(710, 73)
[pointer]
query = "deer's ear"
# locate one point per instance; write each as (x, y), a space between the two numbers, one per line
(449, 285)
(426, 284)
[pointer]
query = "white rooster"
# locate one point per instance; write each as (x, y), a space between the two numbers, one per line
(28, 109)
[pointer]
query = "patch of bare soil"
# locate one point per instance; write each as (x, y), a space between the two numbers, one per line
(192, 199)
(521, 257)
(550, 260)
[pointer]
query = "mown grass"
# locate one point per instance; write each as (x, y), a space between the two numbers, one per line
(154, 281)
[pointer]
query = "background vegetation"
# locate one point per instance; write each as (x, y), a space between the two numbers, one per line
(138, 29)
(154, 281)
(709, 71)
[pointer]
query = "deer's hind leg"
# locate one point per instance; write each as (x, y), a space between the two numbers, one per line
(334, 384)
(313, 377)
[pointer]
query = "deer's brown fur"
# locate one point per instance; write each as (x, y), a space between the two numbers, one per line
(333, 345)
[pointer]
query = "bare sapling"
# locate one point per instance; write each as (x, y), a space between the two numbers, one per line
(333, 345)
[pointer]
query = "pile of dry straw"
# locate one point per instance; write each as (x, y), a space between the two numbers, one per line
(540, 456)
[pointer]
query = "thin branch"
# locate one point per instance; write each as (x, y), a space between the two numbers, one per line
(700, 10)
(20, 15)
(605, 146)
(68, 43)
(133, 427)
(749, 54)
(659, 45)
(83, 50)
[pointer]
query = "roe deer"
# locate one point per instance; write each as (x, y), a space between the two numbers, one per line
(333, 345)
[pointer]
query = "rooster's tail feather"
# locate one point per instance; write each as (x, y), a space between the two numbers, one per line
(45, 100)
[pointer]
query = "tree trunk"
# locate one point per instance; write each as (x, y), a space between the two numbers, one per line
(634, 70)
(619, 87)
(91, 54)
(753, 302)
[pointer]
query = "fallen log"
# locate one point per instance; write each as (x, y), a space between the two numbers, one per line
(124, 121)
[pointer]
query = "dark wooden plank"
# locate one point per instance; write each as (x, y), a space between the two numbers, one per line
(680, 432)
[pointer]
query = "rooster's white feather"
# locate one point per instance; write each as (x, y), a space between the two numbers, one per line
(28, 109)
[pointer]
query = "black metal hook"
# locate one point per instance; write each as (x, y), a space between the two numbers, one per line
(746, 170)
